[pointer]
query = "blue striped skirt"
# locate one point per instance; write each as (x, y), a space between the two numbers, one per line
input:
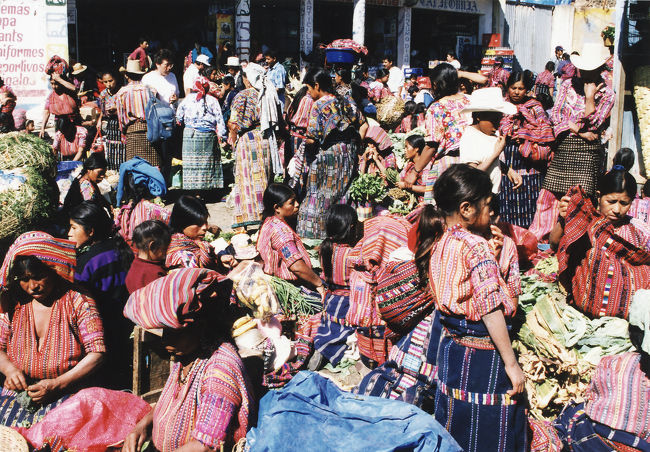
(471, 400)
(201, 160)
(333, 333)
(12, 414)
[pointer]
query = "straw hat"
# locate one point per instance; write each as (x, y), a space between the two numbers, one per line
(78, 68)
(232, 61)
(12, 441)
(489, 99)
(133, 67)
(591, 58)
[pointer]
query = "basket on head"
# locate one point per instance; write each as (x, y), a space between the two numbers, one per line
(12, 441)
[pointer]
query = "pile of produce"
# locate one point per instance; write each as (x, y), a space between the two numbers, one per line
(254, 290)
(389, 112)
(368, 188)
(641, 78)
(28, 193)
(559, 347)
(293, 300)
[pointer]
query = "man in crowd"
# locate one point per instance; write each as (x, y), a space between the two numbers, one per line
(193, 72)
(234, 69)
(162, 80)
(140, 54)
(276, 73)
(395, 76)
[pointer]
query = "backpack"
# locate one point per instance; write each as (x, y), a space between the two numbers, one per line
(160, 120)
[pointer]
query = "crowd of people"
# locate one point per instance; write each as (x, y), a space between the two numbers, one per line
(428, 298)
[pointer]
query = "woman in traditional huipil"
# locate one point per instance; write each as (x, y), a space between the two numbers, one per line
(332, 134)
(529, 137)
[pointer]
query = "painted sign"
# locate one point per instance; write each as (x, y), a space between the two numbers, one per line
(225, 28)
(459, 6)
(31, 31)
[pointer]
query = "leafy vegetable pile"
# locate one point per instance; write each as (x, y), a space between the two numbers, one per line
(368, 188)
(398, 140)
(559, 347)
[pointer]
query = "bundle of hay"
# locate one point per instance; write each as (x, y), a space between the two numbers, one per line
(28, 193)
(389, 112)
(642, 99)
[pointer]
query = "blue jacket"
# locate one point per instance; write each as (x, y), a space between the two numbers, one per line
(141, 172)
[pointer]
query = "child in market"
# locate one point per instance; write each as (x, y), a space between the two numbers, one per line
(151, 238)
(476, 361)
(378, 154)
(339, 256)
(413, 146)
(480, 146)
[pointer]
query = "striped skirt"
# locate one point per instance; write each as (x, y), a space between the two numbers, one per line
(138, 145)
(581, 434)
(330, 175)
(518, 206)
(576, 162)
(252, 175)
(201, 160)
(410, 372)
(471, 400)
(12, 414)
(333, 332)
(115, 149)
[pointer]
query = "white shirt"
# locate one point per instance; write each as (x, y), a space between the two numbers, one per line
(190, 76)
(455, 63)
(165, 86)
(476, 147)
(395, 79)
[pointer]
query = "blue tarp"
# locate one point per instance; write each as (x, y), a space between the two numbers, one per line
(312, 414)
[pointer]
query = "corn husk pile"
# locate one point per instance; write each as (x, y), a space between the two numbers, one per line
(35, 199)
(389, 112)
(559, 347)
(641, 79)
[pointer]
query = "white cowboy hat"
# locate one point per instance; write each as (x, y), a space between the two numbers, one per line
(489, 99)
(232, 61)
(592, 57)
(78, 68)
(133, 67)
(204, 59)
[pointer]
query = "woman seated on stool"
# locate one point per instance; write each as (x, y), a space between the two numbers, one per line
(51, 336)
(206, 401)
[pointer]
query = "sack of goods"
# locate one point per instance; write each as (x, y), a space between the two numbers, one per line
(28, 194)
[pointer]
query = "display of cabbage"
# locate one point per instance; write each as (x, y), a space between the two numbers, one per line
(559, 346)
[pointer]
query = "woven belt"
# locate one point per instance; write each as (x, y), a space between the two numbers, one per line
(476, 398)
(480, 343)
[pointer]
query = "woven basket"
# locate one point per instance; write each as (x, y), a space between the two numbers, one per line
(389, 112)
(641, 79)
(12, 441)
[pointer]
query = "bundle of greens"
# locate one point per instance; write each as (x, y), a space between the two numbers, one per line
(367, 188)
(295, 302)
(34, 200)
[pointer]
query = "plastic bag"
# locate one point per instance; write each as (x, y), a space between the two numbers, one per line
(254, 290)
(318, 416)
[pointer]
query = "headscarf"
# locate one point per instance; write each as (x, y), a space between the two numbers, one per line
(201, 87)
(172, 301)
(640, 316)
(58, 254)
(380, 137)
(58, 65)
(269, 110)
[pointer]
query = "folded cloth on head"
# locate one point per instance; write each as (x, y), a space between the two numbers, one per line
(58, 254)
(142, 173)
(171, 301)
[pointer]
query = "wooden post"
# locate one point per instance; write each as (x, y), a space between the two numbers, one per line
(616, 119)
